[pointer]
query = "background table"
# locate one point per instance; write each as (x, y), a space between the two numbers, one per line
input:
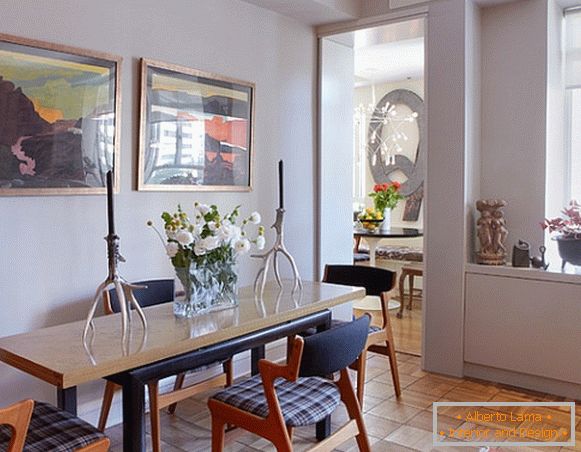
(374, 237)
(58, 356)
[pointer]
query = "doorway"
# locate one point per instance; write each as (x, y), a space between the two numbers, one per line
(373, 131)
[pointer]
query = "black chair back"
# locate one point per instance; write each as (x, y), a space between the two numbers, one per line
(375, 280)
(158, 291)
(332, 350)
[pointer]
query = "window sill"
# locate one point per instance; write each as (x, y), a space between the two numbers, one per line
(569, 277)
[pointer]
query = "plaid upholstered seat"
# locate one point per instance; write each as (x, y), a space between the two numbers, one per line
(304, 402)
(53, 430)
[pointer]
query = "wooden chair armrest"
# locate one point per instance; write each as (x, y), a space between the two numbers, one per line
(270, 371)
(17, 416)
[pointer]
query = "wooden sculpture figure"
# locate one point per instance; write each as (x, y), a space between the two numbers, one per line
(492, 232)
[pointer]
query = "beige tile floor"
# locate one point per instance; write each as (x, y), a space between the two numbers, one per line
(403, 424)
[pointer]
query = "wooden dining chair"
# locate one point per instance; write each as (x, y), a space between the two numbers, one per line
(155, 292)
(37, 426)
(283, 397)
(378, 282)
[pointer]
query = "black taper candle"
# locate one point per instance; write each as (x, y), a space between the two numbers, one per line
(280, 185)
(110, 202)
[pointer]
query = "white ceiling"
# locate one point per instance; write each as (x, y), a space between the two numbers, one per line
(319, 12)
(389, 53)
(313, 12)
(390, 62)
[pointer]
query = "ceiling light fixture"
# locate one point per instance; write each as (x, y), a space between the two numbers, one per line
(390, 121)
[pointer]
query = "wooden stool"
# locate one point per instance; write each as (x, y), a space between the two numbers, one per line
(410, 270)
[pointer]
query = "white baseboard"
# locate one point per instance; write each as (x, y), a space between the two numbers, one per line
(532, 382)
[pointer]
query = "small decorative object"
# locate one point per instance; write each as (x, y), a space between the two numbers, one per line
(59, 118)
(123, 289)
(492, 232)
(385, 197)
(278, 247)
(568, 228)
(370, 218)
(539, 262)
(521, 254)
(204, 254)
(196, 130)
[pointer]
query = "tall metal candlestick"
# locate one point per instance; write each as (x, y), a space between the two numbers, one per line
(110, 210)
(123, 289)
(280, 185)
(278, 247)
(271, 256)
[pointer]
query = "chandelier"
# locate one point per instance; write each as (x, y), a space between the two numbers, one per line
(386, 131)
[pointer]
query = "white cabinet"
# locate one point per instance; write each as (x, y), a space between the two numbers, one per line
(524, 325)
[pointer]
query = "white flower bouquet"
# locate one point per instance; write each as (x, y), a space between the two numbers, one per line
(204, 250)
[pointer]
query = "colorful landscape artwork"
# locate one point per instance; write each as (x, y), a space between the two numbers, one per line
(196, 130)
(58, 118)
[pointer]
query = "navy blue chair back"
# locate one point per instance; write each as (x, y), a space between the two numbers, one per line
(332, 350)
(375, 280)
(158, 291)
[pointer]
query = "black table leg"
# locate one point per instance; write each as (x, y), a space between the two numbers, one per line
(67, 399)
(256, 354)
(133, 408)
(323, 428)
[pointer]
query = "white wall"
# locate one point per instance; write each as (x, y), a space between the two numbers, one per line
(444, 208)
(53, 252)
(514, 80)
(473, 124)
(336, 153)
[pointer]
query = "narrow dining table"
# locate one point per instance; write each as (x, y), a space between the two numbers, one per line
(58, 355)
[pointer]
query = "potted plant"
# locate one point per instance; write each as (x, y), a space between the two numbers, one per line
(568, 228)
(385, 197)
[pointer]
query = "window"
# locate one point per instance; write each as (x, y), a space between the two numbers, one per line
(573, 106)
(572, 76)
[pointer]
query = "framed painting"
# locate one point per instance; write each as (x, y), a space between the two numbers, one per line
(59, 118)
(196, 130)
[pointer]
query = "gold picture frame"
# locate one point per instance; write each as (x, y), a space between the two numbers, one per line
(59, 118)
(196, 130)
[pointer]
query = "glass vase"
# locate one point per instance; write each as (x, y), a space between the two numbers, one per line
(205, 287)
